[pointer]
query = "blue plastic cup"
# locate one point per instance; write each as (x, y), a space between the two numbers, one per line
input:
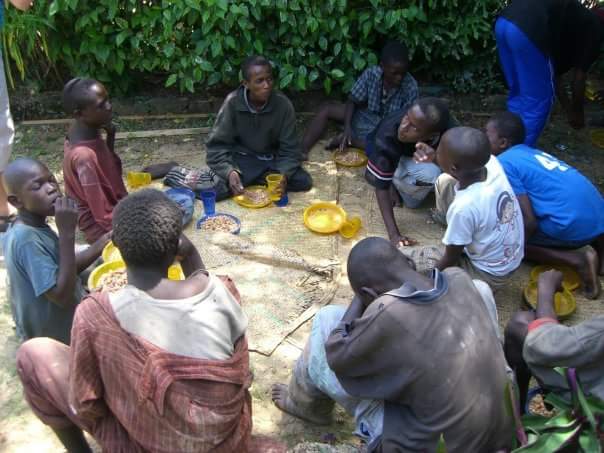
(208, 197)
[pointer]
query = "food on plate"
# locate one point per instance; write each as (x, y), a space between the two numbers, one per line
(112, 281)
(219, 223)
(349, 157)
(258, 196)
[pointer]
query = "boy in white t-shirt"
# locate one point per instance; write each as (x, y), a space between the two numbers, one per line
(485, 234)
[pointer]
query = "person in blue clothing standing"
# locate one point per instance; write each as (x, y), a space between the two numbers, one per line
(562, 209)
(538, 41)
(7, 128)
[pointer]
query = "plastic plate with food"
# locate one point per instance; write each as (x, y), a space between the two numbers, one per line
(570, 277)
(350, 157)
(219, 223)
(111, 276)
(564, 301)
(253, 197)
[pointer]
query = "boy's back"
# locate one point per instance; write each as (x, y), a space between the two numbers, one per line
(32, 262)
(486, 219)
(567, 205)
(93, 177)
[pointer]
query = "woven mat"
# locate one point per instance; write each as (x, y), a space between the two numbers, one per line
(284, 272)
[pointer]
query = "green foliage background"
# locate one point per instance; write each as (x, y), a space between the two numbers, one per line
(193, 44)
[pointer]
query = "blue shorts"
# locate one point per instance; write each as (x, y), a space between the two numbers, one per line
(540, 239)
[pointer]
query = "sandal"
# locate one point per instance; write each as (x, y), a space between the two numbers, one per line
(5, 221)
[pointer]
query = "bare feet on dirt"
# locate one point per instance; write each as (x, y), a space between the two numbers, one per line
(281, 399)
(588, 271)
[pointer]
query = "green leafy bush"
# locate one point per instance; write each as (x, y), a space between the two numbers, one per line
(198, 43)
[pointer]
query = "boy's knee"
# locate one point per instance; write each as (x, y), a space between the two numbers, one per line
(301, 181)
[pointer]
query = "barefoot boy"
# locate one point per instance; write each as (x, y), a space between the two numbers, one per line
(484, 232)
(159, 365)
(406, 358)
(379, 91)
(536, 343)
(43, 267)
(562, 209)
(91, 169)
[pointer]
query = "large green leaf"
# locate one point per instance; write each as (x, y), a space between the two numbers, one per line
(549, 442)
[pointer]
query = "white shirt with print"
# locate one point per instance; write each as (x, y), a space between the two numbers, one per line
(486, 219)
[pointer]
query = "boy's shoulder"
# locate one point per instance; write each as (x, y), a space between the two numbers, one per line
(373, 73)
(86, 150)
(282, 100)
(20, 238)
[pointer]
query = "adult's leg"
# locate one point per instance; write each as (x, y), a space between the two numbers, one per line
(43, 367)
(533, 71)
(584, 260)
(316, 387)
(514, 336)
(444, 191)
(318, 125)
(7, 135)
(415, 180)
(506, 57)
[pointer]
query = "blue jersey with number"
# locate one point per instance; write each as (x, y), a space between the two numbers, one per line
(567, 205)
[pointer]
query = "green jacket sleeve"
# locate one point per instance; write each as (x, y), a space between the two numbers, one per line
(288, 157)
(221, 141)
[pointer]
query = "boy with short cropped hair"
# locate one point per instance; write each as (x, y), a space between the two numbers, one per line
(159, 365)
(379, 91)
(484, 232)
(43, 267)
(562, 209)
(91, 169)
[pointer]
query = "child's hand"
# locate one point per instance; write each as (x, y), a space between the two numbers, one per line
(424, 153)
(403, 241)
(110, 128)
(235, 183)
(185, 248)
(66, 214)
(346, 140)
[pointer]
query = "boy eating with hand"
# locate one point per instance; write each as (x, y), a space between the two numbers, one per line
(91, 169)
(42, 267)
(485, 233)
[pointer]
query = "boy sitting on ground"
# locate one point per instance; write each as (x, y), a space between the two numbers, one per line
(379, 91)
(391, 166)
(159, 365)
(255, 134)
(536, 343)
(91, 169)
(409, 356)
(484, 232)
(42, 267)
(562, 209)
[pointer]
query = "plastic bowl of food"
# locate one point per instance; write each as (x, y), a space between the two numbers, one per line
(350, 157)
(565, 303)
(570, 277)
(219, 223)
(111, 276)
(324, 217)
(253, 197)
(111, 253)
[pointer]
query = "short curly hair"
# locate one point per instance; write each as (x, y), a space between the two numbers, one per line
(77, 95)
(146, 228)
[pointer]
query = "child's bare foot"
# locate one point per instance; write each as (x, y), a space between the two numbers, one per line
(588, 270)
(281, 399)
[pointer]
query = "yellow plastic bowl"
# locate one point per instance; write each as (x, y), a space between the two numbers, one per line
(361, 159)
(324, 217)
(570, 278)
(111, 253)
(565, 303)
(99, 271)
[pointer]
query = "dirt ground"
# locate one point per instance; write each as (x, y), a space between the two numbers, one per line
(20, 431)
